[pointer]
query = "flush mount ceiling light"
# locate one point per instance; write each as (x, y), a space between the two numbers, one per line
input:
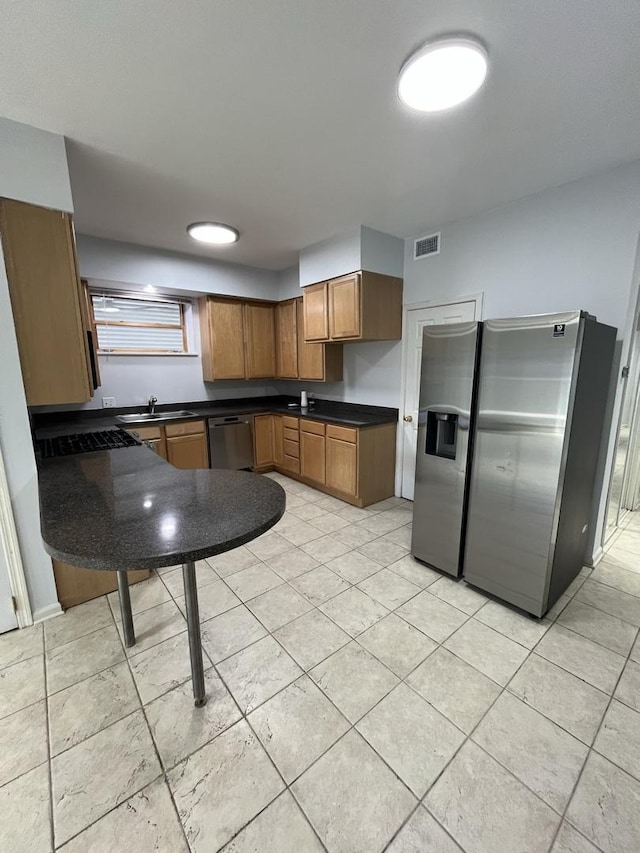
(442, 74)
(214, 233)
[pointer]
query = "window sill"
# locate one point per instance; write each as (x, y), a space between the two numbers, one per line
(106, 353)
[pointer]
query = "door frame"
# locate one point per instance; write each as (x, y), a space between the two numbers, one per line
(478, 298)
(11, 548)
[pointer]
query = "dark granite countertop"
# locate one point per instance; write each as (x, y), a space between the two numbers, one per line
(329, 411)
(128, 509)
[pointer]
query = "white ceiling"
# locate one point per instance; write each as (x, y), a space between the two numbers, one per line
(281, 118)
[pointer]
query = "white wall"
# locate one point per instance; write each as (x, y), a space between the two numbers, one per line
(109, 260)
(330, 258)
(132, 379)
(172, 379)
(371, 375)
(569, 247)
(565, 248)
(289, 283)
(380, 252)
(360, 248)
(33, 168)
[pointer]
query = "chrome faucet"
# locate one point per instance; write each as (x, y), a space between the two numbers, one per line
(152, 405)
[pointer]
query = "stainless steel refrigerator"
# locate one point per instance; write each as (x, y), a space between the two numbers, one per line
(447, 385)
(523, 512)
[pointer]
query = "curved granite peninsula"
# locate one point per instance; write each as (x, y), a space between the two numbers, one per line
(128, 509)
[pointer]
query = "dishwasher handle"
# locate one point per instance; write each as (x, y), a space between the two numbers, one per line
(232, 420)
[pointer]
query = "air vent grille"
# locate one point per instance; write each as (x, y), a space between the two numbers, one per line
(424, 247)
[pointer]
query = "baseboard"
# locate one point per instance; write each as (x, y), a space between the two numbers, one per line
(597, 555)
(48, 612)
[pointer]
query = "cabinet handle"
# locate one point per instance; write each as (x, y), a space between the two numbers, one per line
(408, 418)
(92, 360)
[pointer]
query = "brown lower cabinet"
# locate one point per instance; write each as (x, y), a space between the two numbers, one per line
(342, 465)
(312, 451)
(354, 464)
(76, 585)
(184, 444)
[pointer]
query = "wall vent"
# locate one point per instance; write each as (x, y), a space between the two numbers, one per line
(424, 247)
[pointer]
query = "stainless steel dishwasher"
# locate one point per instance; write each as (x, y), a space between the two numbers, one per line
(231, 442)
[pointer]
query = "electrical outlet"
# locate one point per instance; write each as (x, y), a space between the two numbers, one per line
(108, 402)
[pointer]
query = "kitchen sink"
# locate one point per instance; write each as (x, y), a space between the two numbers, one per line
(137, 417)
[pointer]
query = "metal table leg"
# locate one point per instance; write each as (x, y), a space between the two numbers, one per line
(125, 610)
(193, 625)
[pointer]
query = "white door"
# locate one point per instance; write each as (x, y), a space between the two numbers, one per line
(416, 320)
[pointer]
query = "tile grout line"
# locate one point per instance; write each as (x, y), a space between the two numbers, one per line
(134, 793)
(287, 788)
(468, 737)
(163, 773)
(48, 725)
(402, 680)
(591, 750)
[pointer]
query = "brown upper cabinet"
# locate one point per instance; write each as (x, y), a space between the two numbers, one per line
(316, 312)
(361, 306)
(287, 339)
(297, 359)
(318, 362)
(237, 339)
(222, 338)
(261, 340)
(50, 312)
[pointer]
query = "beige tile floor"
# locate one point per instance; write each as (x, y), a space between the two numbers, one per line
(358, 702)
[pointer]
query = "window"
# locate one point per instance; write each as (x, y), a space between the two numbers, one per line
(136, 325)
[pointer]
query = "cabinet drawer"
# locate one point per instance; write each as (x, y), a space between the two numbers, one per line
(291, 434)
(312, 426)
(289, 422)
(291, 448)
(146, 433)
(342, 433)
(291, 463)
(185, 428)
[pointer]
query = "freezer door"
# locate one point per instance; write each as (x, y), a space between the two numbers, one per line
(524, 394)
(449, 355)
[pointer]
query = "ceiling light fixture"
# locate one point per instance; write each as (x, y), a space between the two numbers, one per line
(442, 74)
(214, 233)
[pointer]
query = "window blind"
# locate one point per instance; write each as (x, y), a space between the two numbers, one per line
(125, 324)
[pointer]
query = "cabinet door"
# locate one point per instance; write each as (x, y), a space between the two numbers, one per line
(312, 463)
(188, 451)
(278, 440)
(342, 466)
(261, 341)
(316, 314)
(344, 307)
(287, 339)
(263, 450)
(75, 585)
(45, 298)
(310, 356)
(91, 334)
(159, 446)
(222, 333)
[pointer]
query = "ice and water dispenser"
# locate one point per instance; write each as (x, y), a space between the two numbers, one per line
(442, 434)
